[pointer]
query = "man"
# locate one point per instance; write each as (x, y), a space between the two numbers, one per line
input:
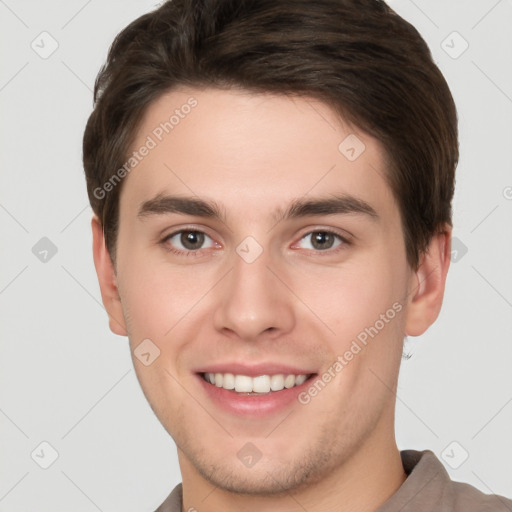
(272, 186)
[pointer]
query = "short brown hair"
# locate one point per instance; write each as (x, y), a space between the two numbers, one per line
(363, 60)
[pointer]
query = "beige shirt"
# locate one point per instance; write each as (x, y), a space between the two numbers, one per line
(428, 488)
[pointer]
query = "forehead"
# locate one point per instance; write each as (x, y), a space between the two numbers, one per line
(252, 153)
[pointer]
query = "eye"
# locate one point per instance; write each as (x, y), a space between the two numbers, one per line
(321, 240)
(188, 240)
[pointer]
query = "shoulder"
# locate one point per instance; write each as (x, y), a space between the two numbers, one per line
(173, 502)
(467, 498)
(428, 488)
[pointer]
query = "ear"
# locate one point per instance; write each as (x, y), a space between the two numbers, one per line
(426, 289)
(107, 279)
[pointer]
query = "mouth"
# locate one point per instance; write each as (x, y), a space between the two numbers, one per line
(257, 390)
(259, 385)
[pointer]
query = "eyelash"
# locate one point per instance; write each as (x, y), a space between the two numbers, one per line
(164, 242)
(179, 252)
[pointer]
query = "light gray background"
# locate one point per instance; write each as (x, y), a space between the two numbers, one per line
(66, 380)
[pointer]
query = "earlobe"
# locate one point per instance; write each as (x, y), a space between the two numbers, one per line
(427, 284)
(107, 279)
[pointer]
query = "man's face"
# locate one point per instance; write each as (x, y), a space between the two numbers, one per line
(259, 292)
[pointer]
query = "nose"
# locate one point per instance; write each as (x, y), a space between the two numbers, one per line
(253, 302)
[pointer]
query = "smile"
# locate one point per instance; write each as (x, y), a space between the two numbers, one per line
(256, 390)
(261, 384)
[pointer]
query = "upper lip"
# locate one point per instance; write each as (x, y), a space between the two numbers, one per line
(253, 370)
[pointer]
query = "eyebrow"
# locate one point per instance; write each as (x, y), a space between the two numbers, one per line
(332, 205)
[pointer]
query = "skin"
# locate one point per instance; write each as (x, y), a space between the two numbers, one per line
(295, 304)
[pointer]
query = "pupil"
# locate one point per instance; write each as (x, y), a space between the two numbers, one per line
(192, 239)
(322, 240)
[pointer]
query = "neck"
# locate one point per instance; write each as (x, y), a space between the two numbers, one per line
(362, 483)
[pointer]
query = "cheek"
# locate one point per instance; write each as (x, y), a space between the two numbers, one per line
(352, 297)
(157, 296)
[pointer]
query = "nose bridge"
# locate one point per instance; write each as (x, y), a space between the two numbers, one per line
(253, 301)
(253, 278)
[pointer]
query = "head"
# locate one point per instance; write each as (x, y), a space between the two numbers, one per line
(309, 151)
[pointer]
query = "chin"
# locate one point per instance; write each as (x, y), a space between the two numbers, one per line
(265, 478)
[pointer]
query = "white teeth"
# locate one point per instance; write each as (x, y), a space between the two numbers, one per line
(276, 382)
(229, 381)
(259, 384)
(289, 381)
(243, 384)
(300, 379)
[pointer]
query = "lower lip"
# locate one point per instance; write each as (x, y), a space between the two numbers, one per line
(252, 405)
